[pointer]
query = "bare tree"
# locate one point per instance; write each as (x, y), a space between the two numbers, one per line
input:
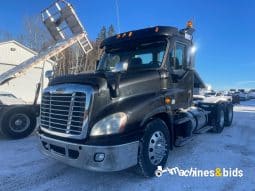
(72, 60)
(35, 35)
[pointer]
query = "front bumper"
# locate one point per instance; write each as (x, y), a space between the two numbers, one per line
(116, 157)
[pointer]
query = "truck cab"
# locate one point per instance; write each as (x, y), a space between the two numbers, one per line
(135, 108)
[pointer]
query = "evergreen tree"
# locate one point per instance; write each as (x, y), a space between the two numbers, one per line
(111, 31)
(102, 34)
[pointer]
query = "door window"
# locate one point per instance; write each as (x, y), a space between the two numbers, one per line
(177, 57)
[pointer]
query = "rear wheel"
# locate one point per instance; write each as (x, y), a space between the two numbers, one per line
(229, 115)
(154, 148)
(219, 119)
(18, 123)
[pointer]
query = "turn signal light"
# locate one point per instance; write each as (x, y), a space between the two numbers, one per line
(168, 100)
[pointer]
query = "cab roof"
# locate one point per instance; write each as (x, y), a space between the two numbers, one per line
(142, 35)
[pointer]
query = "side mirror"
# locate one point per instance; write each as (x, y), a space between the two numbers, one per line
(121, 67)
(49, 74)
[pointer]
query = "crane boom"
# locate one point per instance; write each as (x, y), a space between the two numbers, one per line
(64, 27)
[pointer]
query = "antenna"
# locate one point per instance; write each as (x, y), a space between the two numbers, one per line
(117, 14)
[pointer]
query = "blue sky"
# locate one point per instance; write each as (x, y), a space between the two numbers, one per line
(225, 29)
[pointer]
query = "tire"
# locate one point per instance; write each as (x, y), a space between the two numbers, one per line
(156, 132)
(18, 123)
(229, 115)
(219, 119)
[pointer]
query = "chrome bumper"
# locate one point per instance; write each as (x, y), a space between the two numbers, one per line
(117, 157)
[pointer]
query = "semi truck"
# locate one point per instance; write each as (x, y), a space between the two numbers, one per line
(134, 109)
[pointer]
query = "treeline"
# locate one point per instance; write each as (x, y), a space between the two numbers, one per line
(71, 61)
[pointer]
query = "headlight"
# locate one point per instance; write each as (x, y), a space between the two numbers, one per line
(111, 124)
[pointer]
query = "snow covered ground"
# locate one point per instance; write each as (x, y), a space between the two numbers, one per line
(24, 168)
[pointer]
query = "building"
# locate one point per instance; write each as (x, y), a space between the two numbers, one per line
(12, 54)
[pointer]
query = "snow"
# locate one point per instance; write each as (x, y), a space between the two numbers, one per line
(24, 168)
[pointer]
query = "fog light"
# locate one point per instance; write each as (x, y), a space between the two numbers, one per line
(99, 157)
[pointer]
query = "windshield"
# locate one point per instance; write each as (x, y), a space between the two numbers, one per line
(149, 55)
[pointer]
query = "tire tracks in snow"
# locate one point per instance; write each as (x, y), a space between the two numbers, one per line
(18, 182)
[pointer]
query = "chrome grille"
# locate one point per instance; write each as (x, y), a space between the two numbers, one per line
(63, 112)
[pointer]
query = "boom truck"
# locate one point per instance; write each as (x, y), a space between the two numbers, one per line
(19, 119)
(134, 109)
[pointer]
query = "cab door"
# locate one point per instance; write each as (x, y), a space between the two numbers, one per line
(182, 77)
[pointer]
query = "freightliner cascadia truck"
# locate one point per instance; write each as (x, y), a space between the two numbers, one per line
(134, 109)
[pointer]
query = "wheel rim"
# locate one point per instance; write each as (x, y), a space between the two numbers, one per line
(222, 118)
(19, 122)
(157, 147)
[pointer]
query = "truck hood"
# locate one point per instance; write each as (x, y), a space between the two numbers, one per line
(95, 79)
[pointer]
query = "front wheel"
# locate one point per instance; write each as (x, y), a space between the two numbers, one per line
(154, 148)
(18, 123)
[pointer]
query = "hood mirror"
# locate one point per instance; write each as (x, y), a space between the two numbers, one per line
(49, 74)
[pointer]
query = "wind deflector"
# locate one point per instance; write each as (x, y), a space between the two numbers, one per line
(65, 28)
(198, 82)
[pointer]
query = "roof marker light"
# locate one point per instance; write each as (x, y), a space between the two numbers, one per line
(189, 24)
(130, 34)
(124, 35)
(156, 29)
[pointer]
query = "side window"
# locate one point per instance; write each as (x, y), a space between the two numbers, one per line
(177, 57)
(160, 56)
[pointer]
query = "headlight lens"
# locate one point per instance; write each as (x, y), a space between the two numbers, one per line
(111, 124)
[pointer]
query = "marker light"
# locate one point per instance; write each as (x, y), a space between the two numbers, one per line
(130, 34)
(168, 100)
(118, 36)
(156, 29)
(189, 24)
(124, 34)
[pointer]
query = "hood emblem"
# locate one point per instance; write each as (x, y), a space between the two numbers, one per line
(60, 90)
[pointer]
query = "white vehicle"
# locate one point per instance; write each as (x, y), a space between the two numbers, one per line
(232, 91)
(7, 98)
(19, 120)
(243, 96)
(251, 94)
(217, 96)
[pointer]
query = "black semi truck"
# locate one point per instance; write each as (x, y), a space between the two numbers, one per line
(136, 107)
